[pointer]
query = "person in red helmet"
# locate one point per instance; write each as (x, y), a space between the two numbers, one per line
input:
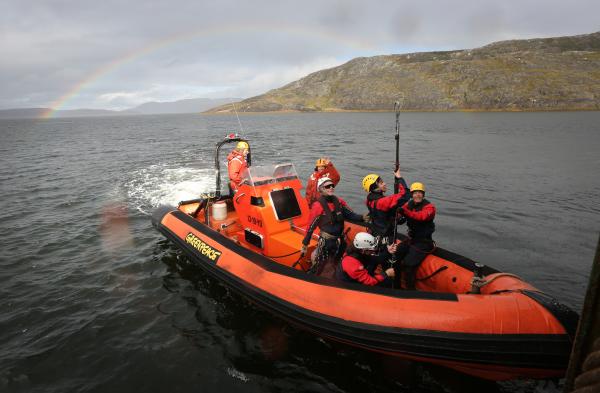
(328, 213)
(236, 164)
(419, 214)
(323, 168)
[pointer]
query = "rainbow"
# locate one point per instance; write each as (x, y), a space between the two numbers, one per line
(155, 46)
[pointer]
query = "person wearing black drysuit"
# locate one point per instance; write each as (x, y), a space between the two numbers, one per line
(383, 208)
(328, 213)
(382, 213)
(419, 214)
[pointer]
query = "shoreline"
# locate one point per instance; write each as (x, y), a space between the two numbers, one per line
(288, 111)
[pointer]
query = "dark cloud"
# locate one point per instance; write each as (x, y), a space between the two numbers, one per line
(122, 53)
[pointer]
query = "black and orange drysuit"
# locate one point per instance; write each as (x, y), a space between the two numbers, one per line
(419, 220)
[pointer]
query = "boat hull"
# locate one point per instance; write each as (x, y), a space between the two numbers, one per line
(458, 331)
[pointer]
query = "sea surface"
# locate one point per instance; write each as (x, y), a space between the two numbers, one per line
(93, 299)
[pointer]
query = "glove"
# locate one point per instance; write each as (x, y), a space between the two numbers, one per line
(303, 250)
(366, 218)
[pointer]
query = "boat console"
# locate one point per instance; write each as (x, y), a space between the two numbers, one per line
(272, 211)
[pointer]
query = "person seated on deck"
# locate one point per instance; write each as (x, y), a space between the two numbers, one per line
(327, 213)
(360, 259)
(236, 164)
(419, 213)
(323, 168)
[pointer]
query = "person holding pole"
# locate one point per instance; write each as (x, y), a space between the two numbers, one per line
(383, 210)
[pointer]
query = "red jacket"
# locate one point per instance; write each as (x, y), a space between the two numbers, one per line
(419, 219)
(356, 271)
(423, 212)
(312, 194)
(236, 164)
(382, 208)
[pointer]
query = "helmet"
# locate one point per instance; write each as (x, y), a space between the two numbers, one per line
(416, 186)
(322, 181)
(369, 180)
(364, 241)
(321, 162)
(241, 145)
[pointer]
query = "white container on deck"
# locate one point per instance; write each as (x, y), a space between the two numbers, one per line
(219, 210)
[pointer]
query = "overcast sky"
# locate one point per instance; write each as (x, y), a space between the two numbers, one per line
(117, 54)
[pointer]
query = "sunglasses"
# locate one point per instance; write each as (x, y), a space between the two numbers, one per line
(329, 186)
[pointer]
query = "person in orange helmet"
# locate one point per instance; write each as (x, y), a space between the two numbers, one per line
(323, 168)
(236, 164)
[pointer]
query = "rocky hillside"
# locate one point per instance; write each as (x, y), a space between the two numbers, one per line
(560, 73)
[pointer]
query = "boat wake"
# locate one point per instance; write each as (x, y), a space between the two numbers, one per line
(160, 184)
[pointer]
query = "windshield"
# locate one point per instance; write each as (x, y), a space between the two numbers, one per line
(258, 175)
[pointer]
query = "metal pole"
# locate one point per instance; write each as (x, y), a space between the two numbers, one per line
(583, 374)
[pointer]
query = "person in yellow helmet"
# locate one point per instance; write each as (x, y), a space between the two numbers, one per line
(382, 208)
(419, 214)
(236, 164)
(323, 168)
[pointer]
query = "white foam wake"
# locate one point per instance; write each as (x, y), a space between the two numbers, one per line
(159, 185)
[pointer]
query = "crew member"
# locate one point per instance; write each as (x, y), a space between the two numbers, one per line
(419, 213)
(236, 164)
(382, 208)
(360, 260)
(323, 168)
(327, 213)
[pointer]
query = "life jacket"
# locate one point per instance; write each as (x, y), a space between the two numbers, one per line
(331, 221)
(381, 221)
(419, 230)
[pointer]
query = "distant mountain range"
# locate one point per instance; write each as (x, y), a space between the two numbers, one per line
(560, 73)
(194, 105)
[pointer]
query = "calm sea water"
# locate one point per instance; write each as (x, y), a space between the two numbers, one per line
(95, 300)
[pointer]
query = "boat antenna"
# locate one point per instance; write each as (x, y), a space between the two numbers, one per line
(238, 118)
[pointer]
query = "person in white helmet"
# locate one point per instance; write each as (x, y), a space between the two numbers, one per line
(360, 260)
(328, 213)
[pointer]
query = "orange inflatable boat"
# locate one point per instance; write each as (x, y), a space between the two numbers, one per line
(251, 242)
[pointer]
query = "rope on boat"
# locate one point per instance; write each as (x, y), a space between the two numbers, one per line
(480, 282)
(441, 269)
(297, 263)
(282, 256)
